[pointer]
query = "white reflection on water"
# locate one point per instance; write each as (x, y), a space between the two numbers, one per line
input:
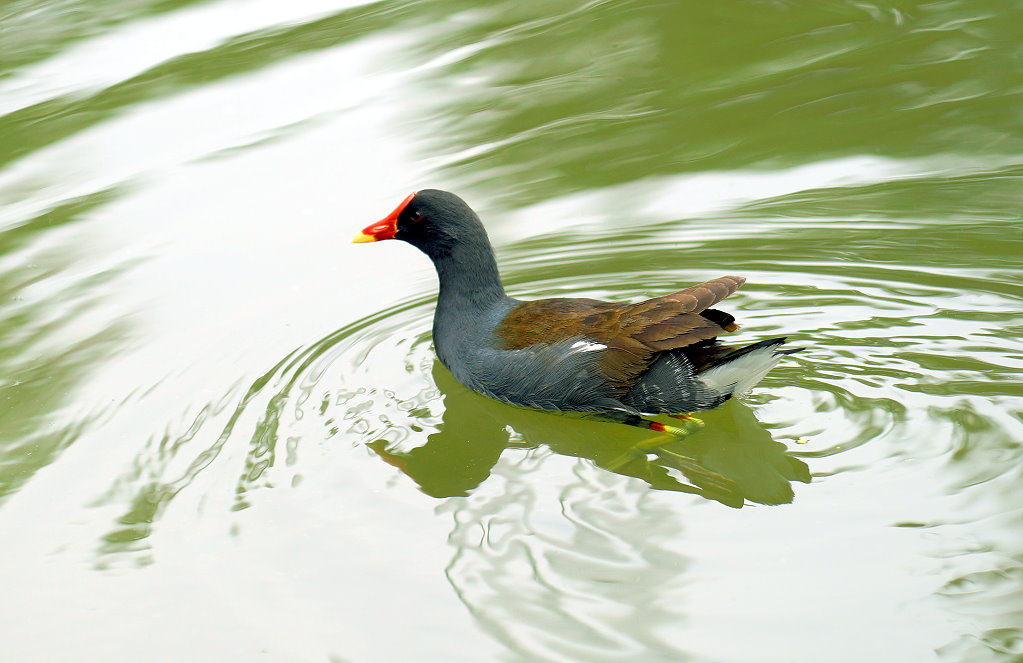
(720, 194)
(136, 46)
(334, 94)
(563, 561)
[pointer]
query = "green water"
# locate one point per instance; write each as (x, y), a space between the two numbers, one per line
(223, 432)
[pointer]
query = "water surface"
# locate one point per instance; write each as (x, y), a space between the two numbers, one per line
(223, 431)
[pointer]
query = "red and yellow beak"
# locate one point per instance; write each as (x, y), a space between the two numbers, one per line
(386, 228)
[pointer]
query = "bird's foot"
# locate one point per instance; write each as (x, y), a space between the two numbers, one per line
(667, 434)
(685, 416)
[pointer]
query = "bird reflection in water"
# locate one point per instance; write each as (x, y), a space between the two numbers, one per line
(731, 459)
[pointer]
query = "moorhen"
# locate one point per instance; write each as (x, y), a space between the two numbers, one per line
(659, 356)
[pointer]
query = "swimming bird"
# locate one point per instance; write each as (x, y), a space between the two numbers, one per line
(620, 361)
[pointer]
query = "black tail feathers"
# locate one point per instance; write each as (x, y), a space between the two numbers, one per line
(771, 342)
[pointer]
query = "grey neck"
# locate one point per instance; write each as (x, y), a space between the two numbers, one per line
(470, 303)
(469, 279)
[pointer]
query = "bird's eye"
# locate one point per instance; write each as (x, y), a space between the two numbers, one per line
(416, 217)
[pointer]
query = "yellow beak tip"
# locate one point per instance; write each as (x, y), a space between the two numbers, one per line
(363, 237)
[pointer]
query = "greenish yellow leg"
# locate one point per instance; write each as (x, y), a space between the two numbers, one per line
(667, 434)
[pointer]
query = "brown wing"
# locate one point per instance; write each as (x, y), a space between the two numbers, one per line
(633, 333)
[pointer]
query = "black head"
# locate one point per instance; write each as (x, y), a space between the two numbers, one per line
(433, 221)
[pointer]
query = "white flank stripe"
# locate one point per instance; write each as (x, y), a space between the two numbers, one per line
(587, 346)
